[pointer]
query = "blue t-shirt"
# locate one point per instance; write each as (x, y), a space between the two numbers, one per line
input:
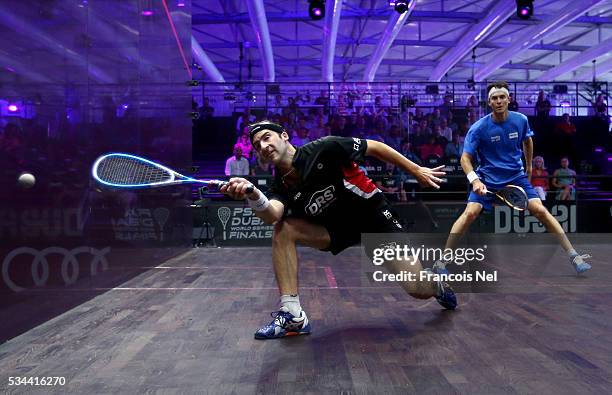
(498, 147)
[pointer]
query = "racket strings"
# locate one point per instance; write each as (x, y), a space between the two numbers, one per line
(130, 171)
(514, 196)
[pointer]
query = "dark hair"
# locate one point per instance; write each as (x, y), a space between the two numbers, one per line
(497, 84)
(257, 127)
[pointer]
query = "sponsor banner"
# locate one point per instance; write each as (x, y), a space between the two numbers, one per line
(141, 227)
(27, 267)
(235, 224)
(141, 224)
(34, 224)
(507, 220)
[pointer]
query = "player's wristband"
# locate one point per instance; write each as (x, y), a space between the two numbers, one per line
(472, 176)
(260, 204)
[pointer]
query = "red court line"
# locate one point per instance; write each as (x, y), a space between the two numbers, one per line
(331, 279)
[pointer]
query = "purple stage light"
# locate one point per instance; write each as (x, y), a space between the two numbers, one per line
(400, 6)
(146, 13)
(316, 9)
(598, 149)
(524, 8)
(565, 103)
(13, 108)
(180, 4)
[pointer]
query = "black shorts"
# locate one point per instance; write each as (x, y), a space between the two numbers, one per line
(346, 230)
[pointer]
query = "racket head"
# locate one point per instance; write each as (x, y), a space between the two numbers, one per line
(121, 170)
(514, 196)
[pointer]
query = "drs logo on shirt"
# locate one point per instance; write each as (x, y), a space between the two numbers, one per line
(320, 200)
(357, 143)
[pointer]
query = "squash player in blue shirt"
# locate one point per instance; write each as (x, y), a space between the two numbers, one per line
(499, 140)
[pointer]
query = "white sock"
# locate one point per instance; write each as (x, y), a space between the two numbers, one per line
(291, 303)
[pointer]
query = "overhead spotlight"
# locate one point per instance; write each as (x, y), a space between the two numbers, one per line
(400, 6)
(524, 8)
(316, 9)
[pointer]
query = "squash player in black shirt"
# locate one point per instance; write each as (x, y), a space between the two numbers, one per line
(322, 199)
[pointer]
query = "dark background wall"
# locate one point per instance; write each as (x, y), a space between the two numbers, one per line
(79, 79)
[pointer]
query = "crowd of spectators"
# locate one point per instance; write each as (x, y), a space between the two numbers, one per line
(423, 135)
(418, 135)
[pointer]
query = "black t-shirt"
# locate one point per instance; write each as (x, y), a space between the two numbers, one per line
(331, 183)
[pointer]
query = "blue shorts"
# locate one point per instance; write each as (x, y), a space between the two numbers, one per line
(487, 200)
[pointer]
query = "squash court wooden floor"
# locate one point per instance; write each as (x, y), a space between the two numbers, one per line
(187, 327)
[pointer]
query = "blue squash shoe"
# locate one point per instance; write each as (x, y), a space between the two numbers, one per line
(284, 324)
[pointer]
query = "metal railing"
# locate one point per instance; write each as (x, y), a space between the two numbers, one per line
(576, 98)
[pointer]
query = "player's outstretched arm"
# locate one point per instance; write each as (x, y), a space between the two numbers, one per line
(425, 176)
(270, 211)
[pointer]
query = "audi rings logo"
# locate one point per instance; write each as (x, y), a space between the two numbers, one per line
(40, 264)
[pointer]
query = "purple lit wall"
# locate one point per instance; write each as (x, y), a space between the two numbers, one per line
(82, 78)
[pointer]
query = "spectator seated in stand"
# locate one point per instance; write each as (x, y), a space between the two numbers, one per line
(452, 123)
(417, 137)
(394, 139)
(237, 165)
(245, 144)
(472, 107)
(439, 138)
(455, 147)
(566, 127)
(539, 177)
(425, 127)
(318, 130)
(245, 119)
(431, 149)
(322, 99)
(408, 152)
(445, 130)
(292, 106)
(378, 133)
(276, 107)
(301, 137)
(390, 182)
(564, 179)
(339, 127)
